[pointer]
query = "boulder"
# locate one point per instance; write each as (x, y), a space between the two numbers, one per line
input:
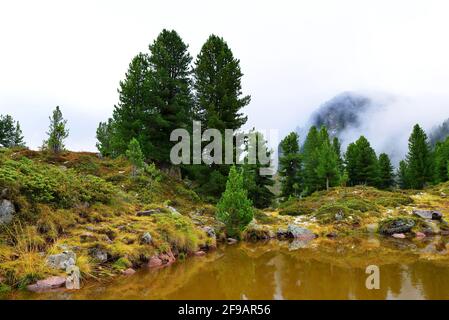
(200, 253)
(210, 232)
(99, 255)
(155, 262)
(231, 241)
(282, 233)
(420, 235)
(73, 278)
(147, 238)
(62, 260)
(398, 235)
(47, 284)
(428, 214)
(398, 225)
(298, 232)
(7, 211)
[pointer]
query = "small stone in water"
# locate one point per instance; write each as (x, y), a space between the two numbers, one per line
(398, 235)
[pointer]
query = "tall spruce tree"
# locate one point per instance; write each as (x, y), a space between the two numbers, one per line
(386, 175)
(403, 175)
(218, 103)
(258, 184)
(328, 168)
(361, 163)
(419, 159)
(135, 116)
(290, 166)
(311, 181)
(170, 74)
(57, 132)
(441, 158)
(336, 145)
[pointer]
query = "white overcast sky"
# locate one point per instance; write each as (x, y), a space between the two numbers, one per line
(295, 54)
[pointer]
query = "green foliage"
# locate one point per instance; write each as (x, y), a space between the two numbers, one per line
(170, 80)
(328, 161)
(10, 133)
(419, 160)
(135, 156)
(441, 158)
(361, 163)
(105, 136)
(310, 161)
(386, 175)
(42, 183)
(234, 208)
(258, 184)
(290, 166)
(57, 132)
(178, 231)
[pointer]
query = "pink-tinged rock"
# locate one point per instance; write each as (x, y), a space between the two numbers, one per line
(398, 235)
(167, 258)
(129, 272)
(47, 284)
(154, 262)
(200, 253)
(420, 235)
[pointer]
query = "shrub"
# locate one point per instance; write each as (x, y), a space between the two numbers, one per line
(234, 208)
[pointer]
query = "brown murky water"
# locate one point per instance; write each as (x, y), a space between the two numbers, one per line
(321, 269)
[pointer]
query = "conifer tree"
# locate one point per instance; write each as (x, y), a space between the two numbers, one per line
(337, 149)
(218, 103)
(135, 156)
(311, 181)
(57, 133)
(327, 169)
(234, 208)
(361, 163)
(256, 183)
(403, 178)
(105, 136)
(386, 175)
(170, 75)
(290, 166)
(441, 158)
(419, 160)
(135, 116)
(10, 132)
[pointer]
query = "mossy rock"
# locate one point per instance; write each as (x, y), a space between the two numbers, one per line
(396, 225)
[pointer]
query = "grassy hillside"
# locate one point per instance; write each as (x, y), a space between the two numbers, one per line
(79, 202)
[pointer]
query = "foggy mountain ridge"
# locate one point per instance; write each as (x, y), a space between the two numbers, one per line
(384, 119)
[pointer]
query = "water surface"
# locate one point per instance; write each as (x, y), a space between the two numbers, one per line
(321, 269)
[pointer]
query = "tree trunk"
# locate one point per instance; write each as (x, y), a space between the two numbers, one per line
(327, 184)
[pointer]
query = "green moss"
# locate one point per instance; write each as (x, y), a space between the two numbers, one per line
(394, 200)
(122, 264)
(336, 212)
